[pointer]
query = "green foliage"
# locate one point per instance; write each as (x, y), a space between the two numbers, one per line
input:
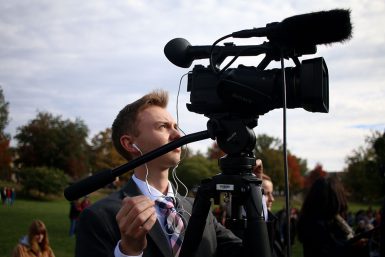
(43, 180)
(364, 176)
(269, 150)
(53, 142)
(103, 153)
(4, 119)
(5, 150)
(194, 169)
(265, 142)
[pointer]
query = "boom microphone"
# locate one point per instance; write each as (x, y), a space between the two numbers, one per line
(89, 185)
(309, 29)
(181, 53)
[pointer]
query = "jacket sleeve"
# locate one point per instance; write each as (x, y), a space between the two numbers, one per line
(227, 243)
(96, 235)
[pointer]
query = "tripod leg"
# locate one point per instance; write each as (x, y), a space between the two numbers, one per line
(256, 239)
(197, 222)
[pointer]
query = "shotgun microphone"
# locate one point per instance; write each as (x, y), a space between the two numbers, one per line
(309, 29)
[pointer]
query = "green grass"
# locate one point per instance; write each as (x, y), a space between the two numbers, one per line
(14, 223)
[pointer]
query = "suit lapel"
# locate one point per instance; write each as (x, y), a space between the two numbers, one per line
(158, 236)
(184, 208)
(156, 233)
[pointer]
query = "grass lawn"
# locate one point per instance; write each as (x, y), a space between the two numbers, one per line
(16, 220)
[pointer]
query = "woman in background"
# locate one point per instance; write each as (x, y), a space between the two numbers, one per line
(322, 228)
(36, 243)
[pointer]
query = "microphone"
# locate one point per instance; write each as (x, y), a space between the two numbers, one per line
(309, 29)
(181, 53)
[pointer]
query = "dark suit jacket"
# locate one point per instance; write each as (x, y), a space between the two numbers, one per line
(98, 232)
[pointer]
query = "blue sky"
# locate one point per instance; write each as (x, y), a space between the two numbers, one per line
(87, 59)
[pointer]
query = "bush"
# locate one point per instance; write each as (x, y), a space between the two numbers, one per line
(43, 180)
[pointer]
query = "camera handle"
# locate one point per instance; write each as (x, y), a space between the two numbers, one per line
(236, 178)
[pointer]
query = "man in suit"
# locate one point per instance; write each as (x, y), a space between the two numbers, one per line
(128, 222)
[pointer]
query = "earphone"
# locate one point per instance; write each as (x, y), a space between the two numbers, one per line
(137, 148)
(174, 177)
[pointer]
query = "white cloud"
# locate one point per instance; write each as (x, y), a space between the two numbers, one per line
(89, 59)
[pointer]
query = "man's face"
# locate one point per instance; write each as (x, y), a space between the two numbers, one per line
(268, 191)
(156, 128)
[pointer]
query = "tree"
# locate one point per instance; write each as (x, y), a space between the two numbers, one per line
(269, 150)
(41, 181)
(314, 174)
(378, 143)
(104, 155)
(364, 176)
(194, 169)
(53, 142)
(296, 180)
(5, 150)
(265, 142)
(5, 158)
(214, 152)
(4, 119)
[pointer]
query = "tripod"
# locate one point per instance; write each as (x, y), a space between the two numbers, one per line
(235, 137)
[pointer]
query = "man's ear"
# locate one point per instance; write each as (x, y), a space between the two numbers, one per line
(126, 141)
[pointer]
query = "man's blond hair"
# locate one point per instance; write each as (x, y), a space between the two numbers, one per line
(125, 122)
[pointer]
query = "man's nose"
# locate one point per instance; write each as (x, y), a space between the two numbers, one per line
(175, 134)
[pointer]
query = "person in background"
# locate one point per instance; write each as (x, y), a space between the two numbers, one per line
(268, 191)
(36, 243)
(75, 210)
(13, 196)
(258, 169)
(3, 195)
(258, 172)
(86, 202)
(382, 231)
(9, 196)
(273, 225)
(322, 228)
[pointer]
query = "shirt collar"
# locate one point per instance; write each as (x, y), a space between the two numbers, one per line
(154, 193)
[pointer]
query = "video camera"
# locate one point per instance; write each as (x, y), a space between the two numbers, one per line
(249, 91)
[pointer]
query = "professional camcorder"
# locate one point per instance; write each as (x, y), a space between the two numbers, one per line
(248, 91)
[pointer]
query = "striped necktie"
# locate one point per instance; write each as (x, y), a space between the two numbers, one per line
(173, 223)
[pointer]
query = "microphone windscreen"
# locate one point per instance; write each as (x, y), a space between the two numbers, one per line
(88, 185)
(176, 52)
(323, 27)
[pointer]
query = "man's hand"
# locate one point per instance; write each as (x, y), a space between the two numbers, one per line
(135, 219)
(258, 168)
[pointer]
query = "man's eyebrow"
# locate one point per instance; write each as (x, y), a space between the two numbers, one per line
(166, 122)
